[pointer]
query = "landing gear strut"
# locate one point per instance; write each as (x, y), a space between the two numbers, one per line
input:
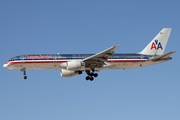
(24, 73)
(91, 75)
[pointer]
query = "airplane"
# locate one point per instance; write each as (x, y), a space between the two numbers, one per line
(74, 64)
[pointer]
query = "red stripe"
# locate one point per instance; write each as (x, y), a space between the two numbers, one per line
(18, 62)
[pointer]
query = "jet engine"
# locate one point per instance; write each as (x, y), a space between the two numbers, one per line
(73, 65)
(68, 73)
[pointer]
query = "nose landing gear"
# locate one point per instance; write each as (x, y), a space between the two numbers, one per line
(24, 73)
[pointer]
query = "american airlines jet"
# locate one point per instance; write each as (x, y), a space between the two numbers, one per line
(74, 64)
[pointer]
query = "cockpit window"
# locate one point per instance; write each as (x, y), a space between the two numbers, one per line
(11, 60)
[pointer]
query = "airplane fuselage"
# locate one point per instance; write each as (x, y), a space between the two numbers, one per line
(53, 61)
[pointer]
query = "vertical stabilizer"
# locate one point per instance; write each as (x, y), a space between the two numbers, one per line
(158, 44)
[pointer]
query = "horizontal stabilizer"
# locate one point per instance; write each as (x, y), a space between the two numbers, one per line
(164, 56)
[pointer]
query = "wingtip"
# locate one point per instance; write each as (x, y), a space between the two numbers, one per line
(116, 45)
(173, 52)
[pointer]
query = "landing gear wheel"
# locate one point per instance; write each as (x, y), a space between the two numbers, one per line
(91, 74)
(91, 78)
(95, 74)
(87, 78)
(25, 77)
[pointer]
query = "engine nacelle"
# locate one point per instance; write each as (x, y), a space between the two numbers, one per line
(68, 73)
(73, 65)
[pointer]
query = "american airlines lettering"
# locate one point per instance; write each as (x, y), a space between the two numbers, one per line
(39, 56)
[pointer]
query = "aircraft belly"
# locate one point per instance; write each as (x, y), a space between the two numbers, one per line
(127, 65)
(123, 65)
(42, 66)
(35, 66)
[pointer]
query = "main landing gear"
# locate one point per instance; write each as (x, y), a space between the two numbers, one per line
(91, 75)
(24, 73)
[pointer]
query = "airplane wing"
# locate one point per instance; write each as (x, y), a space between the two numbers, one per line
(98, 59)
(164, 56)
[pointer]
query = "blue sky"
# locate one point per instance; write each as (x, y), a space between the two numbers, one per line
(82, 26)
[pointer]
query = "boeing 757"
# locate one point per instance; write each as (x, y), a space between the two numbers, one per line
(74, 64)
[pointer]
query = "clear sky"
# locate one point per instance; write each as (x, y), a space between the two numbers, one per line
(84, 26)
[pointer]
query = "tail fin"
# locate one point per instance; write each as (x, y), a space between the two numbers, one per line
(158, 44)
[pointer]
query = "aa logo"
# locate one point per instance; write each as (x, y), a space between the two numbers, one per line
(156, 45)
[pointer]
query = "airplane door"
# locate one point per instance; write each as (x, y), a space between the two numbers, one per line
(22, 61)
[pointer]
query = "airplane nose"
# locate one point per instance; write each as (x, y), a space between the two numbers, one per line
(5, 65)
